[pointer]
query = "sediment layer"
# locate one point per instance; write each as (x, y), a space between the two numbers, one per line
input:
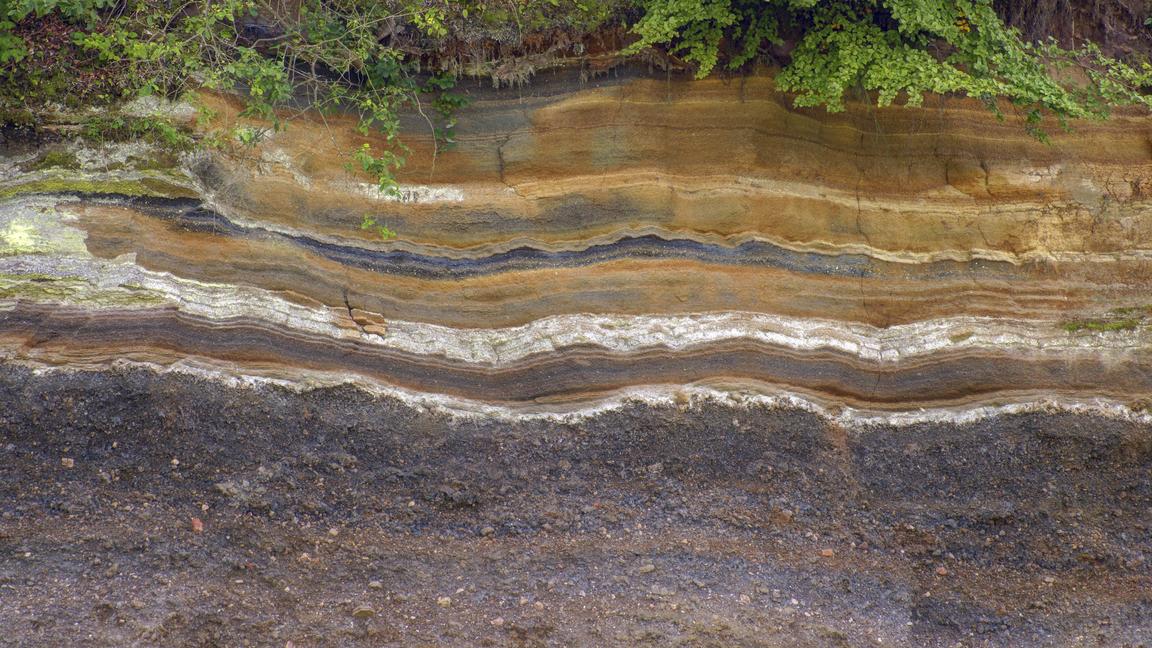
(330, 517)
(584, 241)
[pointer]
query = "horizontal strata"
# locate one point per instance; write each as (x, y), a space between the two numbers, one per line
(585, 245)
(442, 264)
(56, 335)
(632, 276)
(567, 163)
(47, 257)
(103, 286)
(89, 313)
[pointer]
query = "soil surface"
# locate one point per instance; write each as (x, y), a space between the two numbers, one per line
(141, 509)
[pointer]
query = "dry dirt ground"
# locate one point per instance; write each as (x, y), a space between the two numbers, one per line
(139, 509)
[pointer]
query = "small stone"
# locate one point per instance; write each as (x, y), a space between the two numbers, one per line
(782, 515)
(647, 568)
(498, 621)
(827, 553)
(67, 462)
(363, 612)
(175, 462)
(538, 605)
(333, 532)
(745, 599)
(487, 531)
(1049, 580)
(197, 525)
(444, 601)
(137, 604)
(941, 571)
(375, 585)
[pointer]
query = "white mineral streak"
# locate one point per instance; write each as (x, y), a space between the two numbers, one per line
(679, 396)
(279, 157)
(418, 194)
(152, 106)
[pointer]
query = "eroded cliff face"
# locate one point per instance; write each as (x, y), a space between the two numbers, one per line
(895, 345)
(629, 236)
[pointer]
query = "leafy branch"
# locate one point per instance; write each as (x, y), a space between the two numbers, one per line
(896, 49)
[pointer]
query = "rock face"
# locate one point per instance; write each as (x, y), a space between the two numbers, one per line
(589, 241)
(909, 342)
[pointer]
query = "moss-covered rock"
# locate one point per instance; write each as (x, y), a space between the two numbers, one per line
(77, 290)
(53, 159)
(135, 187)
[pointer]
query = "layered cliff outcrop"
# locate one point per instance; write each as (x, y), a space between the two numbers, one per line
(583, 242)
(837, 326)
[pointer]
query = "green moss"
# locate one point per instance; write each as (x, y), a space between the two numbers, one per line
(32, 276)
(123, 128)
(16, 118)
(34, 287)
(1103, 326)
(54, 159)
(1130, 311)
(1124, 318)
(77, 290)
(153, 187)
